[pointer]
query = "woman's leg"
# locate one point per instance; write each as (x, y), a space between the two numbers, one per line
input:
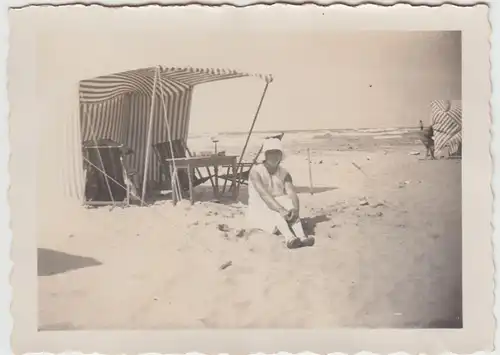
(284, 228)
(295, 227)
(269, 221)
(298, 230)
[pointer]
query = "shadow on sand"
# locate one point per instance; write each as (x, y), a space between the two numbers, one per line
(51, 262)
(205, 193)
(315, 190)
(309, 223)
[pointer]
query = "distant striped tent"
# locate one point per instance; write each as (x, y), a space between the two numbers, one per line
(446, 118)
(117, 107)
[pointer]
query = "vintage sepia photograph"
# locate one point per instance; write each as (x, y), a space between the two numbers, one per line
(275, 178)
(336, 158)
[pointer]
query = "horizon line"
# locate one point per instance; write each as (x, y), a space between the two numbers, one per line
(309, 130)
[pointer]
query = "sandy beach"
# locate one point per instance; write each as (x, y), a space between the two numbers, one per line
(387, 254)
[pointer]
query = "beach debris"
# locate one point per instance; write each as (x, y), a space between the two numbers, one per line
(363, 201)
(404, 183)
(358, 167)
(226, 265)
(240, 233)
(414, 153)
(320, 162)
(223, 227)
(378, 204)
(368, 158)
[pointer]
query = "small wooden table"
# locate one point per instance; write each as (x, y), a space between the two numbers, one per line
(215, 161)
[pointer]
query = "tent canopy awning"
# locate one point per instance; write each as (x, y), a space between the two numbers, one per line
(146, 106)
(141, 81)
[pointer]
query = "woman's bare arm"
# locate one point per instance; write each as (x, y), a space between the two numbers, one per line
(270, 201)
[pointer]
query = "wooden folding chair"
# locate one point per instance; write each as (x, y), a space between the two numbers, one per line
(163, 152)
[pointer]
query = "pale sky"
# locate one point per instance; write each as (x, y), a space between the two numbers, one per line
(323, 79)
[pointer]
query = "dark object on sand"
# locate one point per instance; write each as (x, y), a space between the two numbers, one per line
(223, 227)
(359, 168)
(240, 233)
(226, 265)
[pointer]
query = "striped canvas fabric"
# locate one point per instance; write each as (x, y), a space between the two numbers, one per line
(446, 118)
(118, 107)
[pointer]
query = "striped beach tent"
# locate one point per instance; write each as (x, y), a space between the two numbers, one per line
(446, 119)
(142, 107)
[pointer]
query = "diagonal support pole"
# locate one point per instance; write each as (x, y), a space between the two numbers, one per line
(239, 167)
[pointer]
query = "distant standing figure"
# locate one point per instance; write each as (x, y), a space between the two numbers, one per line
(273, 204)
(427, 138)
(421, 125)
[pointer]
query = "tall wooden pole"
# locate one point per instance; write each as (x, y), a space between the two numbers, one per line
(310, 172)
(150, 131)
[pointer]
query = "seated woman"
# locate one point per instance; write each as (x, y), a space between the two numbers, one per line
(273, 204)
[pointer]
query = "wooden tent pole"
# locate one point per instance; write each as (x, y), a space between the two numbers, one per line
(250, 133)
(311, 188)
(150, 131)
